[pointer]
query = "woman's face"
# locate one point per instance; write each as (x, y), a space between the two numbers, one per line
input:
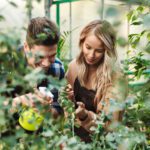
(93, 50)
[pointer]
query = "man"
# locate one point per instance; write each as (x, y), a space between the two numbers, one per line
(42, 38)
(40, 49)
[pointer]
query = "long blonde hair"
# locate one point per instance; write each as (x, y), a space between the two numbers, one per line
(104, 32)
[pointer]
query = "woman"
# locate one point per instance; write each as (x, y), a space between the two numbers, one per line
(95, 78)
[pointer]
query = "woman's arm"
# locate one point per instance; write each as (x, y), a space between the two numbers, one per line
(114, 98)
(85, 118)
(117, 92)
(72, 72)
(71, 75)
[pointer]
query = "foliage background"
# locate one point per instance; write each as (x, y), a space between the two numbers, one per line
(132, 134)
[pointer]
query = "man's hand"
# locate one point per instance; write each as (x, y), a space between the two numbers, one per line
(81, 112)
(44, 99)
(31, 99)
(25, 100)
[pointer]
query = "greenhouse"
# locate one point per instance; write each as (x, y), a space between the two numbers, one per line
(75, 75)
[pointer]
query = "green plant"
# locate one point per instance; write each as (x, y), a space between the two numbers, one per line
(133, 133)
(137, 114)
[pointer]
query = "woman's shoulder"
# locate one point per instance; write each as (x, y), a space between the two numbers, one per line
(72, 72)
(73, 63)
(73, 67)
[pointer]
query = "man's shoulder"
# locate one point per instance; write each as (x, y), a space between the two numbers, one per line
(57, 69)
(57, 64)
(58, 61)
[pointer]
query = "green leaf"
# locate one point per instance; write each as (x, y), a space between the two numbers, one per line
(116, 23)
(62, 41)
(147, 48)
(10, 140)
(2, 18)
(140, 9)
(41, 36)
(129, 15)
(122, 41)
(131, 35)
(134, 17)
(128, 52)
(110, 137)
(2, 118)
(143, 32)
(38, 1)
(148, 36)
(13, 4)
(111, 11)
(137, 23)
(48, 133)
(139, 73)
(134, 39)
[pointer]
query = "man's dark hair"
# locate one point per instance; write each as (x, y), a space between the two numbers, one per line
(42, 31)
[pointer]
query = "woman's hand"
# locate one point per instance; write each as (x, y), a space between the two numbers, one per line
(70, 92)
(81, 112)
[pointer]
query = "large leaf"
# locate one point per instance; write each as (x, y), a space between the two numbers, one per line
(2, 18)
(13, 4)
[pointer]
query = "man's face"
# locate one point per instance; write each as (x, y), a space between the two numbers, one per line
(40, 56)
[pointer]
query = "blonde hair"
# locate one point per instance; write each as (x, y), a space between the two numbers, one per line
(104, 32)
